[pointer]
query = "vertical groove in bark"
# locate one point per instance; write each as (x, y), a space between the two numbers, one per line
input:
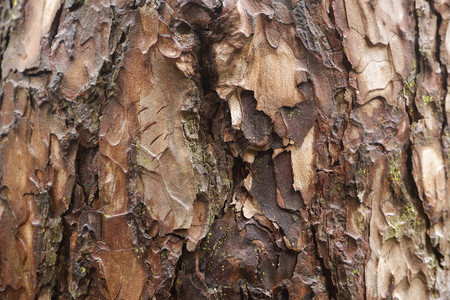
(224, 149)
(331, 288)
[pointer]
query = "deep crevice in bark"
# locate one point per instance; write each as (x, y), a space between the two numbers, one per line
(55, 25)
(173, 289)
(63, 258)
(443, 69)
(332, 289)
(75, 4)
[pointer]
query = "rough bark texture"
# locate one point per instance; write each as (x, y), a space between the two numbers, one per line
(235, 149)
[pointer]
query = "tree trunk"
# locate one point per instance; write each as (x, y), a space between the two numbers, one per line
(241, 149)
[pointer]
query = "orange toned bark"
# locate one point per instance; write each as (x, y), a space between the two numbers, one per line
(232, 149)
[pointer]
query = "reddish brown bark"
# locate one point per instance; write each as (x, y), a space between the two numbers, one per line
(224, 149)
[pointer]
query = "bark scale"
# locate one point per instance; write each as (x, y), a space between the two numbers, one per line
(234, 149)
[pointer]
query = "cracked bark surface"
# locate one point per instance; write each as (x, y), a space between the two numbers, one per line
(233, 149)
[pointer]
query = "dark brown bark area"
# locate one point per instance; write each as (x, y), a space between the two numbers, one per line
(224, 149)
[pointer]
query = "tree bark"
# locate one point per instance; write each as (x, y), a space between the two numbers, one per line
(235, 149)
